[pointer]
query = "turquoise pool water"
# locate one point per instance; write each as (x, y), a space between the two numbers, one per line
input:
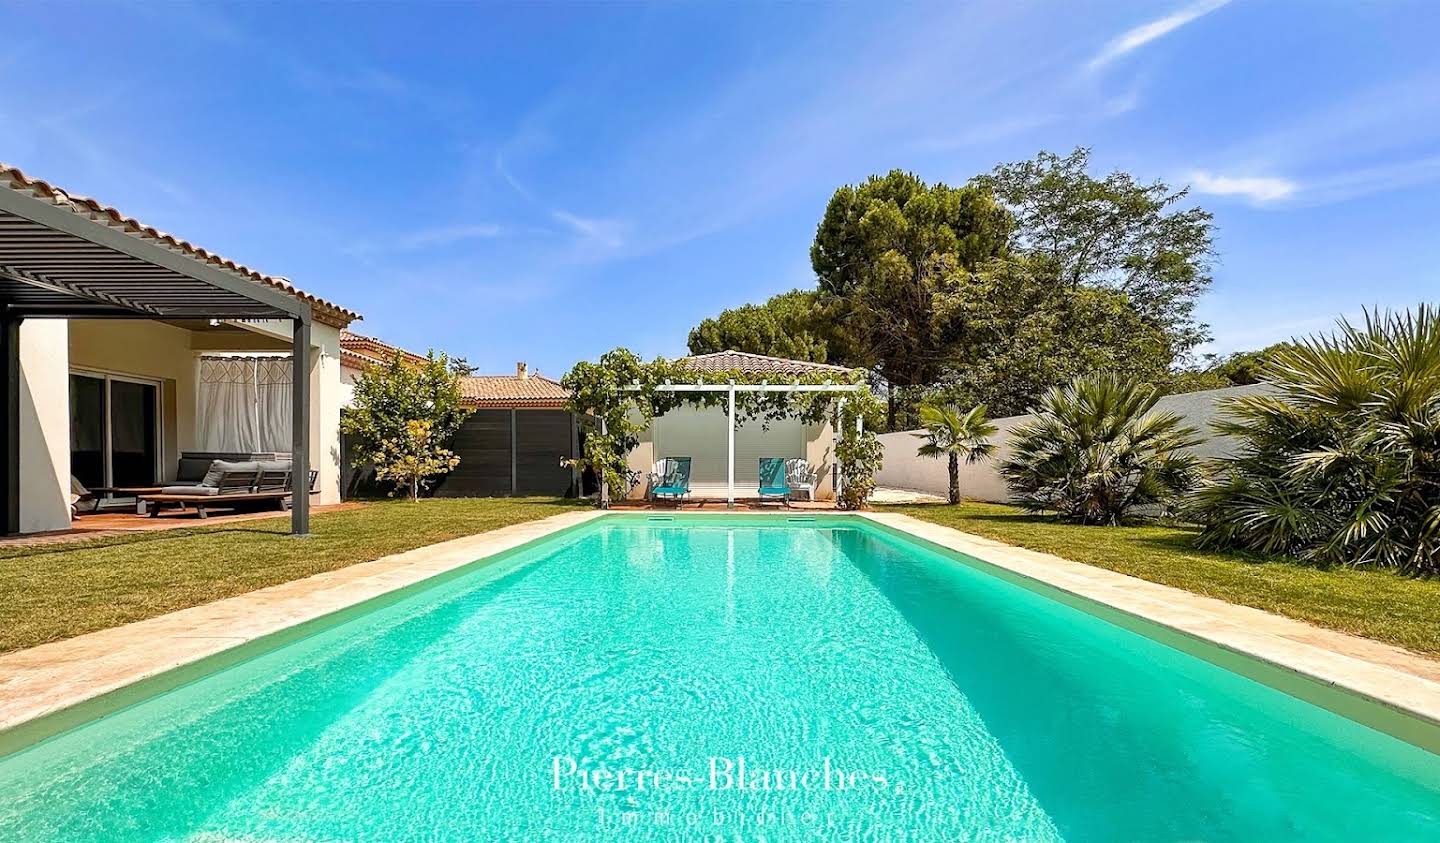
(873, 689)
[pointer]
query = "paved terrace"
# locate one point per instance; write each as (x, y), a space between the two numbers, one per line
(121, 522)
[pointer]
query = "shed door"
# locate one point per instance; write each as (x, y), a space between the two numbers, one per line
(701, 435)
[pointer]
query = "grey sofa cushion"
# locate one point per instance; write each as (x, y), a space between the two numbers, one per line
(189, 490)
(194, 464)
(192, 469)
(219, 467)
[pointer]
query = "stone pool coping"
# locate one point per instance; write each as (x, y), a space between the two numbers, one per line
(49, 678)
(1394, 677)
(52, 678)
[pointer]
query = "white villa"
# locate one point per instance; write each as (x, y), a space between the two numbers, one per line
(126, 348)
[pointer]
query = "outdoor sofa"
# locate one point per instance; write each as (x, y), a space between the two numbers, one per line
(232, 485)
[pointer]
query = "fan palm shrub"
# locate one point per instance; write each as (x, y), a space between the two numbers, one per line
(1098, 453)
(956, 435)
(1340, 464)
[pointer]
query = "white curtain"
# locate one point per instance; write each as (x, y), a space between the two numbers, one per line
(272, 411)
(244, 404)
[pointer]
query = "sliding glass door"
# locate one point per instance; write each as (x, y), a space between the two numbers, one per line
(114, 430)
(87, 430)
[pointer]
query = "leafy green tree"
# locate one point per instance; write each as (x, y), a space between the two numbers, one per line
(791, 325)
(1114, 233)
(1219, 371)
(1096, 452)
(883, 251)
(388, 397)
(860, 456)
(412, 458)
(1341, 464)
(1020, 334)
(955, 435)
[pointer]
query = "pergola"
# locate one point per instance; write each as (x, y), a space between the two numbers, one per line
(63, 257)
(731, 388)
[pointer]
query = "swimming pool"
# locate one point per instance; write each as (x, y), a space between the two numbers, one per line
(759, 677)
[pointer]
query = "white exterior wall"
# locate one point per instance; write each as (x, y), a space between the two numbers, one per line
(904, 469)
(700, 433)
(348, 374)
(44, 425)
(51, 348)
(326, 399)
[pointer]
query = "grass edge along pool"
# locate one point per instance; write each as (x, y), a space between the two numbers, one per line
(29, 733)
(1368, 711)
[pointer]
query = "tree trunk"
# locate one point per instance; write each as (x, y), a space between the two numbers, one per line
(954, 477)
(414, 489)
(890, 407)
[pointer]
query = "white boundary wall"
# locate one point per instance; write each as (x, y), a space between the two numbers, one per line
(903, 469)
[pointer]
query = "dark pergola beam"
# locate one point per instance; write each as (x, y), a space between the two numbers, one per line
(63, 219)
(10, 447)
(80, 311)
(31, 279)
(300, 427)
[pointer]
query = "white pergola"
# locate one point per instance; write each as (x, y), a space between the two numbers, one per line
(731, 388)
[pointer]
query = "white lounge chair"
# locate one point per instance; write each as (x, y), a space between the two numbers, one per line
(801, 477)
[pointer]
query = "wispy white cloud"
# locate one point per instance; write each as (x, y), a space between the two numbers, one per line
(1133, 39)
(595, 236)
(502, 168)
(1380, 178)
(449, 234)
(601, 232)
(1254, 188)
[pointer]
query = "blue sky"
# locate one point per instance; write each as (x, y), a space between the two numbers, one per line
(547, 181)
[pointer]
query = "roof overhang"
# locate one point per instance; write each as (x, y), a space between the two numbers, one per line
(514, 404)
(63, 257)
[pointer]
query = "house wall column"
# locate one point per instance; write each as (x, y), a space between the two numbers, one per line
(326, 400)
(42, 404)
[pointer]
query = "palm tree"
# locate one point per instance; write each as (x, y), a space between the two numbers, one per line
(1340, 462)
(1096, 451)
(953, 434)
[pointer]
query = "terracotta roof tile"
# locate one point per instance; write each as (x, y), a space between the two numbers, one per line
(359, 350)
(12, 177)
(534, 392)
(759, 364)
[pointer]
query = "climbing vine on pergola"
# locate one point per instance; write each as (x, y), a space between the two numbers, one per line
(622, 394)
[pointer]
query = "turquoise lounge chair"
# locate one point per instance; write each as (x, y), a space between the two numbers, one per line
(672, 479)
(772, 480)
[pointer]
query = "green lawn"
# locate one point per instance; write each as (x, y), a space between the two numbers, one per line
(56, 591)
(1375, 604)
